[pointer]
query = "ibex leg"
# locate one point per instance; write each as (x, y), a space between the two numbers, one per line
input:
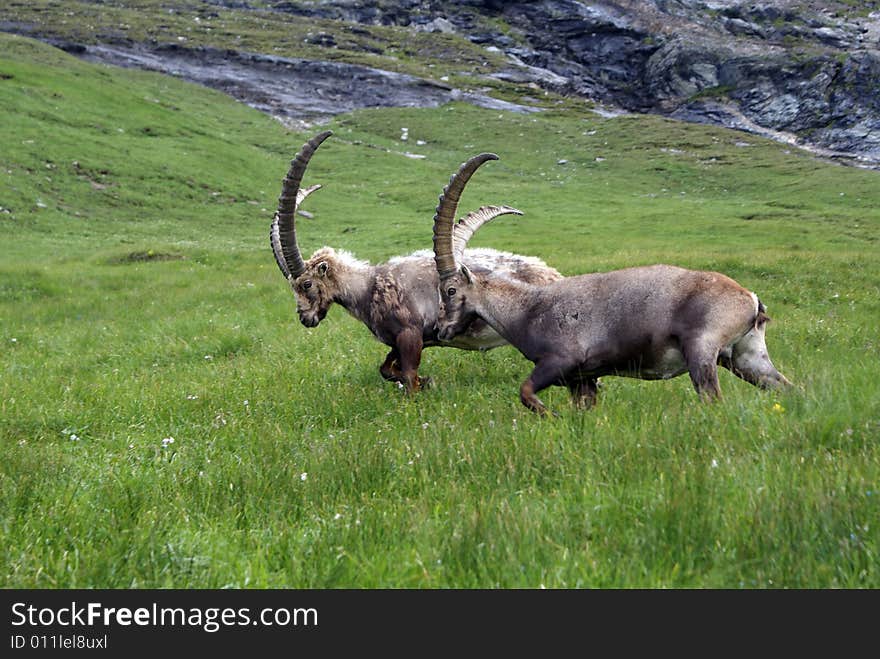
(409, 346)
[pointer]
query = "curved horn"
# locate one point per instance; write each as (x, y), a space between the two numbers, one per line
(302, 193)
(282, 234)
(444, 218)
(468, 225)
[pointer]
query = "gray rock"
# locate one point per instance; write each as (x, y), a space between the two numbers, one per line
(741, 27)
(833, 37)
(678, 71)
(439, 24)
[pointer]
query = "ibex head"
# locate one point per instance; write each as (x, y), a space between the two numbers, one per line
(314, 288)
(315, 282)
(327, 275)
(450, 240)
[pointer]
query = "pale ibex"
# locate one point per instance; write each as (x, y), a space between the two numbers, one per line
(651, 322)
(397, 300)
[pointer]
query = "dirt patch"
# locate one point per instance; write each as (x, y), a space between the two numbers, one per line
(145, 256)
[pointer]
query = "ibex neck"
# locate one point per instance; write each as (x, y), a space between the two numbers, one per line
(504, 303)
(355, 290)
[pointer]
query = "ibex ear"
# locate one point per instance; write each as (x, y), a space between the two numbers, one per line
(322, 268)
(467, 274)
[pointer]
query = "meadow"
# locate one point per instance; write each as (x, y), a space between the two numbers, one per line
(166, 421)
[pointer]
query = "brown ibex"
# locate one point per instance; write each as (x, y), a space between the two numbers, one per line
(397, 300)
(652, 322)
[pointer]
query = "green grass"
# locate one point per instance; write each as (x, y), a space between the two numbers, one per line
(139, 301)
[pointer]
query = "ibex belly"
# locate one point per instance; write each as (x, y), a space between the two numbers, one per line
(667, 363)
(656, 363)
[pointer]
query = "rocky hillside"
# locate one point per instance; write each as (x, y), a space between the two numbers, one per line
(803, 72)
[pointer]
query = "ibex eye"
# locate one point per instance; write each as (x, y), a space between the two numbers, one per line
(450, 292)
(307, 285)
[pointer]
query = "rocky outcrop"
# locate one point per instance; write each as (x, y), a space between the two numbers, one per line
(831, 101)
(785, 71)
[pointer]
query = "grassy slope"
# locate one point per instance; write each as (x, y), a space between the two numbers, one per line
(459, 486)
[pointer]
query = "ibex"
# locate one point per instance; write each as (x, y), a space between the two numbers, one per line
(651, 322)
(397, 300)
